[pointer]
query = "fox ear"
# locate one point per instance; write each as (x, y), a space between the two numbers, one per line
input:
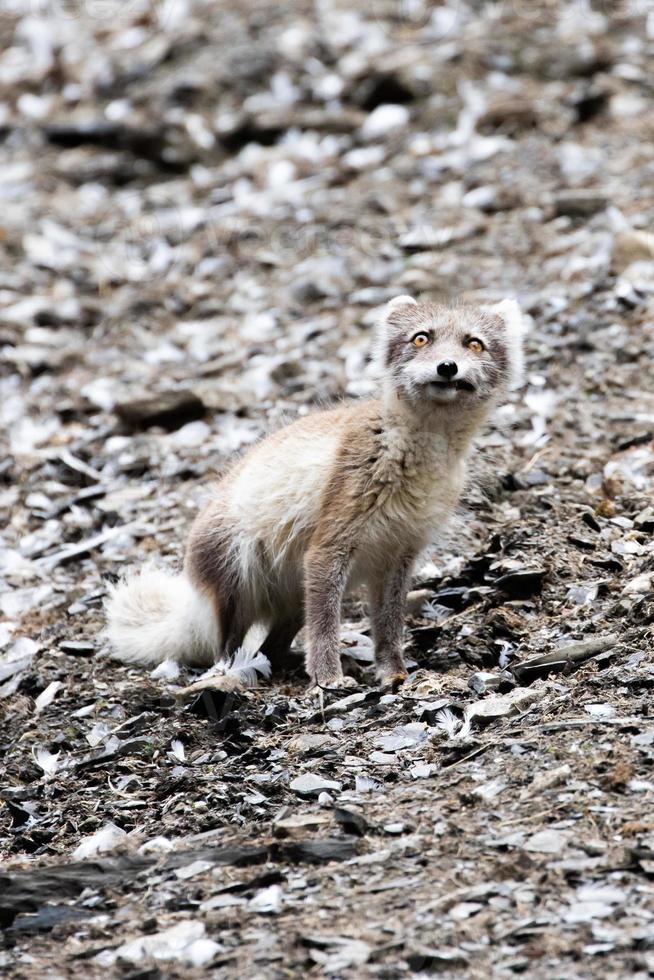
(515, 325)
(384, 329)
(398, 301)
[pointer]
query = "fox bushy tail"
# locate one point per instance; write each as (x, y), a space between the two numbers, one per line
(153, 615)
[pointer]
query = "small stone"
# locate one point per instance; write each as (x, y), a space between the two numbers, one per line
(503, 705)
(307, 291)
(424, 238)
(640, 585)
(192, 870)
(170, 410)
(483, 681)
(464, 910)
(490, 199)
(311, 784)
(185, 943)
(509, 115)
(595, 901)
(582, 595)
(436, 960)
(547, 842)
(107, 838)
(521, 584)
(422, 770)
(587, 911)
(308, 742)
(286, 825)
(383, 758)
(384, 120)
(580, 203)
(600, 710)
(364, 157)
(77, 648)
(364, 784)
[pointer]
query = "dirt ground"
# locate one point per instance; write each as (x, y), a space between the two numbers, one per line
(203, 208)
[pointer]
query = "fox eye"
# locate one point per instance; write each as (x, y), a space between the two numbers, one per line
(475, 345)
(420, 340)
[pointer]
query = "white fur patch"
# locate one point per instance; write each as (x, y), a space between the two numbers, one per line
(154, 616)
(276, 499)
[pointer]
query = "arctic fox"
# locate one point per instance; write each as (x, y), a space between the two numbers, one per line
(338, 498)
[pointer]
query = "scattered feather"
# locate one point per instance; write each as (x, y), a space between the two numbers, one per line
(98, 733)
(236, 675)
(47, 696)
(47, 761)
(184, 943)
(364, 784)
(156, 845)
(268, 901)
(464, 731)
(434, 611)
(448, 722)
(107, 838)
(248, 665)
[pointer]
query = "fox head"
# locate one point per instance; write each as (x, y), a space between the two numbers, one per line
(460, 356)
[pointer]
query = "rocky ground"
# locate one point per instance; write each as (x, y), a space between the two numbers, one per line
(202, 211)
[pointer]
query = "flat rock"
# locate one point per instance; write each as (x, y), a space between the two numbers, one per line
(170, 410)
(521, 584)
(311, 784)
(579, 203)
(547, 842)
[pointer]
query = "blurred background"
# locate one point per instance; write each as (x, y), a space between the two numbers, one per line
(185, 181)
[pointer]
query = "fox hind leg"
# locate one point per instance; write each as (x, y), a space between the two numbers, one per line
(277, 643)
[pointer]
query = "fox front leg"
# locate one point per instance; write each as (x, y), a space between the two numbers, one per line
(387, 592)
(325, 580)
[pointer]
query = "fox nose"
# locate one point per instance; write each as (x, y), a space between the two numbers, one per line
(447, 369)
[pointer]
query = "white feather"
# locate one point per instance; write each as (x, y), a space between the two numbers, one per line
(464, 731)
(47, 761)
(243, 668)
(248, 664)
(107, 838)
(154, 616)
(47, 696)
(236, 675)
(448, 722)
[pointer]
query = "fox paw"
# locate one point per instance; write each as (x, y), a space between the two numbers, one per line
(393, 679)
